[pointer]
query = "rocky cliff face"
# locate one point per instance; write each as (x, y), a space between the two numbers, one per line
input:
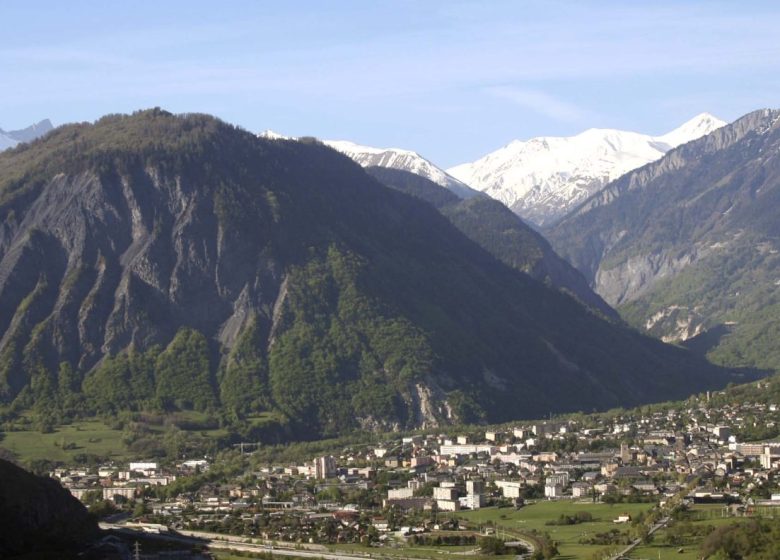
(676, 210)
(39, 517)
(227, 271)
(688, 243)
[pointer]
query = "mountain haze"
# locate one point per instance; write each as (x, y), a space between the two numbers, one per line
(177, 262)
(543, 178)
(12, 138)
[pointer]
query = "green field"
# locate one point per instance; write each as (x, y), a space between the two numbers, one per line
(422, 552)
(511, 522)
(94, 437)
(658, 552)
(91, 436)
(689, 550)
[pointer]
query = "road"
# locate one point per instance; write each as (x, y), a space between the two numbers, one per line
(661, 524)
(229, 542)
(220, 541)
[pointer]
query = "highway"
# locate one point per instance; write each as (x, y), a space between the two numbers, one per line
(229, 542)
(218, 541)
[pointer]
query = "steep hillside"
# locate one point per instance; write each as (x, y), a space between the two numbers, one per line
(544, 178)
(226, 272)
(501, 232)
(691, 242)
(39, 518)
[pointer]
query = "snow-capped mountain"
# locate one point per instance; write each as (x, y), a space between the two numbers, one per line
(405, 160)
(12, 138)
(394, 158)
(543, 178)
(273, 135)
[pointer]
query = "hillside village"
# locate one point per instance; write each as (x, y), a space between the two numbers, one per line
(414, 487)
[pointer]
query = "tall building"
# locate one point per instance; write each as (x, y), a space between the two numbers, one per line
(474, 486)
(325, 467)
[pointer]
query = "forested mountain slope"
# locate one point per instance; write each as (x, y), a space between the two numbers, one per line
(177, 262)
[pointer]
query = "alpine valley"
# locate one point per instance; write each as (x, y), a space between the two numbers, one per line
(162, 262)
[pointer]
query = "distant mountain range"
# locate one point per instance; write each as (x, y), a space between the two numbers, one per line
(689, 246)
(12, 138)
(392, 158)
(178, 263)
(542, 179)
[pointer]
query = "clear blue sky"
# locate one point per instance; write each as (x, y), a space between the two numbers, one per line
(452, 80)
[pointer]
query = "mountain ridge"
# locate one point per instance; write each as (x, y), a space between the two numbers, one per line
(393, 158)
(10, 139)
(177, 263)
(686, 244)
(544, 178)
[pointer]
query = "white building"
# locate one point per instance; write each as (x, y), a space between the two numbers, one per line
(443, 493)
(459, 449)
(553, 490)
(510, 488)
(580, 490)
(448, 505)
(124, 491)
(473, 501)
(400, 493)
(143, 467)
(560, 478)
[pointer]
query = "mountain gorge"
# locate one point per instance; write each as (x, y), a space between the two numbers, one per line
(544, 178)
(688, 246)
(176, 262)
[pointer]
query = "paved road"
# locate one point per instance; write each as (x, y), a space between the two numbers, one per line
(230, 542)
(661, 523)
(220, 541)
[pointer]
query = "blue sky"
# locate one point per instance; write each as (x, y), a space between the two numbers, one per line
(452, 80)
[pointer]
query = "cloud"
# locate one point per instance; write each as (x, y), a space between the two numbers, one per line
(542, 103)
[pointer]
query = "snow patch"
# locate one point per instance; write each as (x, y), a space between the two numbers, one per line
(544, 178)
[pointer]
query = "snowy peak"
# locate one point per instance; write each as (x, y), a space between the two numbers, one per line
(543, 178)
(12, 138)
(394, 158)
(698, 126)
(272, 135)
(405, 160)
